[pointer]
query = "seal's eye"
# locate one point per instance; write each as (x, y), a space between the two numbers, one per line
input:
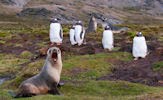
(49, 51)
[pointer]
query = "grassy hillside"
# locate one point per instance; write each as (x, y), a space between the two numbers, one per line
(79, 74)
(20, 40)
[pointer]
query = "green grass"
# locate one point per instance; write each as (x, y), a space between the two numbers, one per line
(131, 34)
(91, 66)
(10, 63)
(158, 66)
(97, 90)
(23, 73)
(79, 72)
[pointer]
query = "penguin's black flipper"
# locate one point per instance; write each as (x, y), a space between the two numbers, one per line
(81, 34)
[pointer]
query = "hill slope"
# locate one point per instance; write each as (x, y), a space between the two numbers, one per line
(116, 10)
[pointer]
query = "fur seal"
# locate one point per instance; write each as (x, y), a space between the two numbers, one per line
(47, 80)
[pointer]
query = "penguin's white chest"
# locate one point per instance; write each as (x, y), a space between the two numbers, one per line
(72, 36)
(107, 39)
(79, 34)
(139, 47)
(55, 32)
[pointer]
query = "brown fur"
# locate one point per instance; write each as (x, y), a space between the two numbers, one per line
(47, 80)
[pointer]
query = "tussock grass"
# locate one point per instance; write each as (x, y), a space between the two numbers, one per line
(10, 63)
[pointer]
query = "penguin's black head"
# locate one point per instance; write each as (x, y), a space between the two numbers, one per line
(55, 20)
(139, 34)
(79, 23)
(107, 27)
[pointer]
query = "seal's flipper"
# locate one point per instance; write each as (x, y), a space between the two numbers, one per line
(28, 95)
(54, 91)
(60, 84)
(19, 95)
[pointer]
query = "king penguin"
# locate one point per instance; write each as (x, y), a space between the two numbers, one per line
(139, 46)
(79, 33)
(56, 32)
(107, 39)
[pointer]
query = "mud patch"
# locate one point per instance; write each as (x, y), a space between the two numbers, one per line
(21, 42)
(139, 71)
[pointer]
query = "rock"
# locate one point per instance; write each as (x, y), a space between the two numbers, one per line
(160, 81)
(17, 3)
(8, 2)
(159, 51)
(43, 51)
(35, 12)
(92, 26)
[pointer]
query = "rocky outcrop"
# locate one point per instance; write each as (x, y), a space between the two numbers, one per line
(35, 12)
(115, 11)
(7, 2)
(17, 3)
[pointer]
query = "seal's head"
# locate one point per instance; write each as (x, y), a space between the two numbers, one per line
(54, 54)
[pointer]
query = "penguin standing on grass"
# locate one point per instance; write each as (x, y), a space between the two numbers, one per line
(107, 39)
(79, 33)
(139, 46)
(72, 35)
(56, 32)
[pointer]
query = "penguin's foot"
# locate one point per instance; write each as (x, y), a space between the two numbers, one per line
(107, 50)
(58, 44)
(85, 43)
(52, 44)
(143, 57)
(136, 58)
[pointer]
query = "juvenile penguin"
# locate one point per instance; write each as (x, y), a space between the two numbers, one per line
(139, 46)
(79, 33)
(47, 80)
(56, 32)
(92, 26)
(107, 39)
(72, 35)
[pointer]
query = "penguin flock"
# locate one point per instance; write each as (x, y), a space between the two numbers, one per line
(77, 34)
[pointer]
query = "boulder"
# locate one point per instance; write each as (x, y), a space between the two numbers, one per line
(159, 51)
(35, 12)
